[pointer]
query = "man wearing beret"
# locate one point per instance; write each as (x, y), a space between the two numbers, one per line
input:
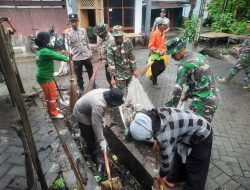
(195, 71)
(121, 59)
(185, 142)
(105, 38)
(89, 111)
(80, 48)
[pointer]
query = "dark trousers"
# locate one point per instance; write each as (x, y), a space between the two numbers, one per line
(78, 70)
(157, 68)
(88, 134)
(108, 76)
(194, 171)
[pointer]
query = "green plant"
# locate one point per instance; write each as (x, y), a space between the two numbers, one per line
(91, 34)
(223, 23)
(239, 28)
(239, 8)
(190, 28)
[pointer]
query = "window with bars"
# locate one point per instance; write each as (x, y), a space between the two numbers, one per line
(119, 12)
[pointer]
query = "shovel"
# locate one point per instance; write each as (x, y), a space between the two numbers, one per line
(111, 183)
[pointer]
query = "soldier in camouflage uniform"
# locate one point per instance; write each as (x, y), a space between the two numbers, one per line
(121, 59)
(242, 63)
(195, 71)
(104, 39)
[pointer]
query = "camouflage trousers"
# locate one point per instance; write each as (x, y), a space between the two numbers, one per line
(242, 63)
(123, 84)
(204, 107)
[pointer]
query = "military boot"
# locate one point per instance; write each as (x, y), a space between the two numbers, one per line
(225, 80)
(246, 86)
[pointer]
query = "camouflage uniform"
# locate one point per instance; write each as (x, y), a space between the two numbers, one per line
(195, 71)
(242, 63)
(104, 39)
(121, 61)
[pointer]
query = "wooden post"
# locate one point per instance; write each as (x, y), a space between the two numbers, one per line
(16, 95)
(224, 6)
(200, 19)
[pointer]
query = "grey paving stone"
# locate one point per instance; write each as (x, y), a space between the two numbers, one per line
(222, 179)
(210, 184)
(241, 188)
(5, 181)
(4, 156)
(229, 159)
(231, 185)
(17, 170)
(4, 169)
(18, 183)
(245, 182)
(244, 165)
(214, 172)
(247, 174)
(14, 161)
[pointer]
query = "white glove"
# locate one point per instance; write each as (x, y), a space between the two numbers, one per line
(103, 145)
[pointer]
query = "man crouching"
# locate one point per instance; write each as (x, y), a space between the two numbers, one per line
(89, 111)
(185, 142)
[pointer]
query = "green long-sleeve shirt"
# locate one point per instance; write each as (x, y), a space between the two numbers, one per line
(45, 64)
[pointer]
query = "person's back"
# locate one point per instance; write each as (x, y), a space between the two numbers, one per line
(188, 127)
(90, 101)
(200, 80)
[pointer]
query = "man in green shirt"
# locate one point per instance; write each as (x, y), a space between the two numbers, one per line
(45, 70)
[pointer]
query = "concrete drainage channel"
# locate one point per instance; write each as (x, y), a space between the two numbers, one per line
(138, 157)
(133, 162)
(70, 134)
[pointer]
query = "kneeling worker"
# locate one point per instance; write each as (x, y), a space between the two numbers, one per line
(185, 141)
(89, 111)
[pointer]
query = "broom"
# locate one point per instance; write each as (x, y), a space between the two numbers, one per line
(111, 183)
(144, 69)
(72, 89)
(91, 82)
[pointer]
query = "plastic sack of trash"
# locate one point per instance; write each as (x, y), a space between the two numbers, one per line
(136, 100)
(137, 96)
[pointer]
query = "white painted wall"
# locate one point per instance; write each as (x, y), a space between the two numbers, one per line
(71, 6)
(196, 10)
(138, 16)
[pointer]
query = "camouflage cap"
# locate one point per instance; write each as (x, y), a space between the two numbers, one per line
(117, 31)
(175, 45)
(100, 29)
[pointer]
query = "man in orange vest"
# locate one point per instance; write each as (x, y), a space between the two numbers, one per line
(157, 50)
